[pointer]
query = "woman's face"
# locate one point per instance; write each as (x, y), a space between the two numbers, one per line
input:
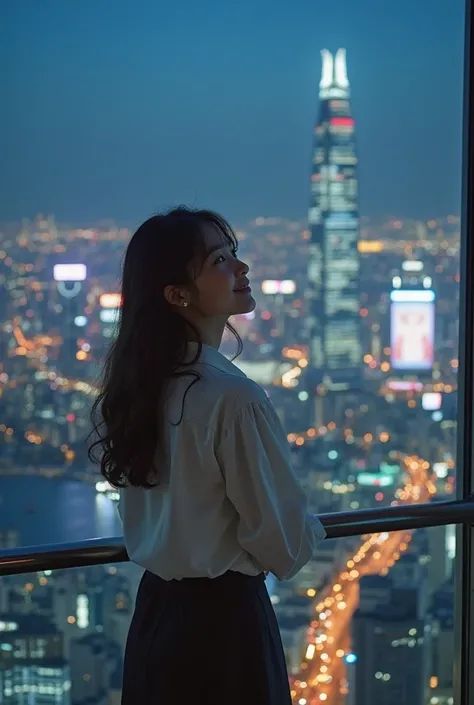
(222, 287)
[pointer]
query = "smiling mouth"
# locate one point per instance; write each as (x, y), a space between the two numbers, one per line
(244, 288)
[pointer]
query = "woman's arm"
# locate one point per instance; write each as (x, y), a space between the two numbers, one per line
(274, 526)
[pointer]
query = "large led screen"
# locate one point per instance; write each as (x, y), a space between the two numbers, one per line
(412, 335)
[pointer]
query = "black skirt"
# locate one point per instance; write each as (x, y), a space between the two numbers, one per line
(206, 642)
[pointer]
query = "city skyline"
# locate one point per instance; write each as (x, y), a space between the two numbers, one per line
(354, 337)
(115, 136)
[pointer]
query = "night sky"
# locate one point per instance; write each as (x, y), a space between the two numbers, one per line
(117, 108)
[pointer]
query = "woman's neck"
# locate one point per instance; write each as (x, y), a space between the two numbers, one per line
(210, 333)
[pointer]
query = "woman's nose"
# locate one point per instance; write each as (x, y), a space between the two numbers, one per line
(242, 268)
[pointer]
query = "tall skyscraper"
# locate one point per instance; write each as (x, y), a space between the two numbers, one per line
(333, 269)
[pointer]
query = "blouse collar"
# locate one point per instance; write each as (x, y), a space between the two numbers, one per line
(214, 358)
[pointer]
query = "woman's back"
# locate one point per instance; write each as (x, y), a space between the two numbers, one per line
(187, 526)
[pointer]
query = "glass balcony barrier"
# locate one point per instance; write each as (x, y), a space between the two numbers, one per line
(370, 618)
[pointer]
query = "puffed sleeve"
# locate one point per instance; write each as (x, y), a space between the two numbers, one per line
(274, 526)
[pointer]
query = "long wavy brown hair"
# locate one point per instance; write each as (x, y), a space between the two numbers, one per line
(151, 343)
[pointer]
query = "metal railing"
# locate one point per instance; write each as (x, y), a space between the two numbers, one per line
(338, 525)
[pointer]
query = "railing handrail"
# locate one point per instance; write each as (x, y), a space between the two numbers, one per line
(30, 559)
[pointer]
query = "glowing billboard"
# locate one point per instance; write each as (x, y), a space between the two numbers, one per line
(69, 272)
(403, 385)
(110, 300)
(441, 470)
(275, 286)
(374, 479)
(412, 266)
(412, 317)
(431, 401)
(109, 315)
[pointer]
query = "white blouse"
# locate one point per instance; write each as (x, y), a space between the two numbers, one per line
(227, 498)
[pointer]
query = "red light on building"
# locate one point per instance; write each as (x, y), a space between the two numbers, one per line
(342, 122)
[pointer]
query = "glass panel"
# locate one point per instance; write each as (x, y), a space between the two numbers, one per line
(62, 634)
(370, 621)
(355, 332)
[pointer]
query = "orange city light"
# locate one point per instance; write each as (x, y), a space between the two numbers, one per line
(110, 300)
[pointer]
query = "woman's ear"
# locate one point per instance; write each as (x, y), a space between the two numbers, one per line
(175, 295)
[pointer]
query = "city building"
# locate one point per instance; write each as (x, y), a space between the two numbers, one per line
(441, 666)
(333, 298)
(33, 666)
(389, 642)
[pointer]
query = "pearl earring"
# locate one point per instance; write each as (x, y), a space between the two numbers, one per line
(185, 303)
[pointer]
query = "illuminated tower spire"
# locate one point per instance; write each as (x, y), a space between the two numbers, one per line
(334, 81)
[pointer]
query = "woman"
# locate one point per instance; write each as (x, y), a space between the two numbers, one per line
(209, 501)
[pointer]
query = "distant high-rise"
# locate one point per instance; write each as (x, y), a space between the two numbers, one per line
(33, 667)
(391, 639)
(333, 268)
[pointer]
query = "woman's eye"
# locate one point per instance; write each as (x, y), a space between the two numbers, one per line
(222, 258)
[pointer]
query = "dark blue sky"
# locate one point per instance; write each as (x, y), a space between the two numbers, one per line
(116, 108)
